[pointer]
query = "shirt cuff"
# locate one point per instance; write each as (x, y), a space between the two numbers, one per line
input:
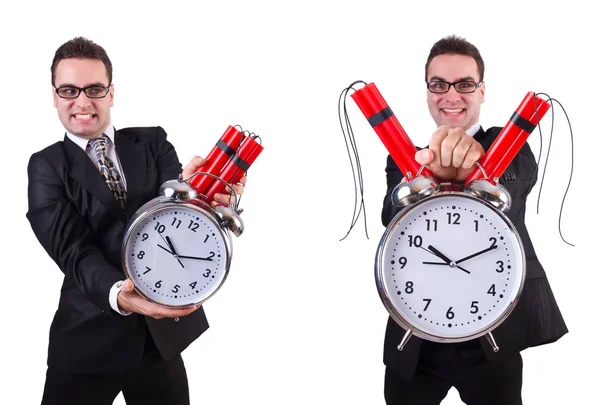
(112, 298)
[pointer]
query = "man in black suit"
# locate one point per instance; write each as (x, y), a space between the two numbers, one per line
(104, 338)
(424, 371)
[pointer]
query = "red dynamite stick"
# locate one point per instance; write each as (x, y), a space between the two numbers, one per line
(511, 138)
(237, 166)
(389, 130)
(217, 158)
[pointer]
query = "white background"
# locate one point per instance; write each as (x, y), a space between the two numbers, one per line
(299, 320)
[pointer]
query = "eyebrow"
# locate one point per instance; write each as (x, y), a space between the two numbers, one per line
(462, 79)
(89, 85)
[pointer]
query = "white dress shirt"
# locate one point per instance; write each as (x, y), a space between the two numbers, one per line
(111, 152)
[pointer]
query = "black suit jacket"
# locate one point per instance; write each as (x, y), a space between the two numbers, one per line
(81, 225)
(536, 319)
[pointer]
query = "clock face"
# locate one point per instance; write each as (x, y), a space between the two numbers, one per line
(450, 267)
(176, 255)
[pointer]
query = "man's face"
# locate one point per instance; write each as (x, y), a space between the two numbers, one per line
(454, 109)
(83, 116)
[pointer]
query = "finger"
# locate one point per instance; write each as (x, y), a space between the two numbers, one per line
(460, 150)
(193, 166)
(222, 198)
(435, 144)
(239, 188)
(448, 145)
(172, 313)
(473, 155)
(424, 156)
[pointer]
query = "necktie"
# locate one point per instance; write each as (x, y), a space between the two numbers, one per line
(107, 169)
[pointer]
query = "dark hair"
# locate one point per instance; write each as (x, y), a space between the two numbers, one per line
(83, 48)
(453, 44)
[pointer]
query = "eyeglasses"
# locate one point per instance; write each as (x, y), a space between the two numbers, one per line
(95, 91)
(463, 86)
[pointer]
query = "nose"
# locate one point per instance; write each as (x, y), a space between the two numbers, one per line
(82, 100)
(452, 94)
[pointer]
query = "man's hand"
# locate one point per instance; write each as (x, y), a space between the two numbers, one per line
(129, 300)
(451, 154)
(196, 163)
(228, 198)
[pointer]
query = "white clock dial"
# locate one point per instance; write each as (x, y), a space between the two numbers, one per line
(176, 255)
(450, 267)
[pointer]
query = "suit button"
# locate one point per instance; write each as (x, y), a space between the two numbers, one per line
(176, 319)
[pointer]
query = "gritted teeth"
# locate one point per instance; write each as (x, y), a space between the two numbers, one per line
(453, 110)
(88, 115)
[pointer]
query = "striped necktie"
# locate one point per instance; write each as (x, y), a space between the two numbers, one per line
(107, 168)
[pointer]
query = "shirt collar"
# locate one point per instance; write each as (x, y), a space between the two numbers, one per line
(473, 130)
(83, 143)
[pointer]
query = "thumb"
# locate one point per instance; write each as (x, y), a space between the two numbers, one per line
(424, 156)
(192, 166)
(127, 286)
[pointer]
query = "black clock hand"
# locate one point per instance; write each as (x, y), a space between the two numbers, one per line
(168, 241)
(162, 247)
(477, 254)
(439, 254)
(194, 257)
(444, 258)
(171, 245)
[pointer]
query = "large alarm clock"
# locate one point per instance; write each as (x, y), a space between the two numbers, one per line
(450, 266)
(177, 248)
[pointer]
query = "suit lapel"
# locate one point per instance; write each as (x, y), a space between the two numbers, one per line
(483, 138)
(84, 172)
(132, 157)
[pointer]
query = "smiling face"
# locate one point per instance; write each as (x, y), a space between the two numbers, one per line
(83, 116)
(454, 109)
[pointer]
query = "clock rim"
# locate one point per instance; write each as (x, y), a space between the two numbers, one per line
(385, 296)
(163, 203)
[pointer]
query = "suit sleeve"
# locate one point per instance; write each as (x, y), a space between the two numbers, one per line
(166, 160)
(394, 177)
(65, 235)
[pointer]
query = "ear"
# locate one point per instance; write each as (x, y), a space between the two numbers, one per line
(482, 89)
(54, 97)
(111, 94)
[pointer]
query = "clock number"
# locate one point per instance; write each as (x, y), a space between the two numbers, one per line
(176, 220)
(409, 287)
(450, 314)
(144, 237)
(212, 254)
(402, 262)
(456, 217)
(141, 254)
(493, 240)
(207, 273)
(158, 284)
(193, 225)
(176, 288)
(501, 264)
(160, 228)
(476, 225)
(416, 241)
(474, 307)
(492, 290)
(429, 221)
(205, 239)
(147, 271)
(193, 285)
(426, 305)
